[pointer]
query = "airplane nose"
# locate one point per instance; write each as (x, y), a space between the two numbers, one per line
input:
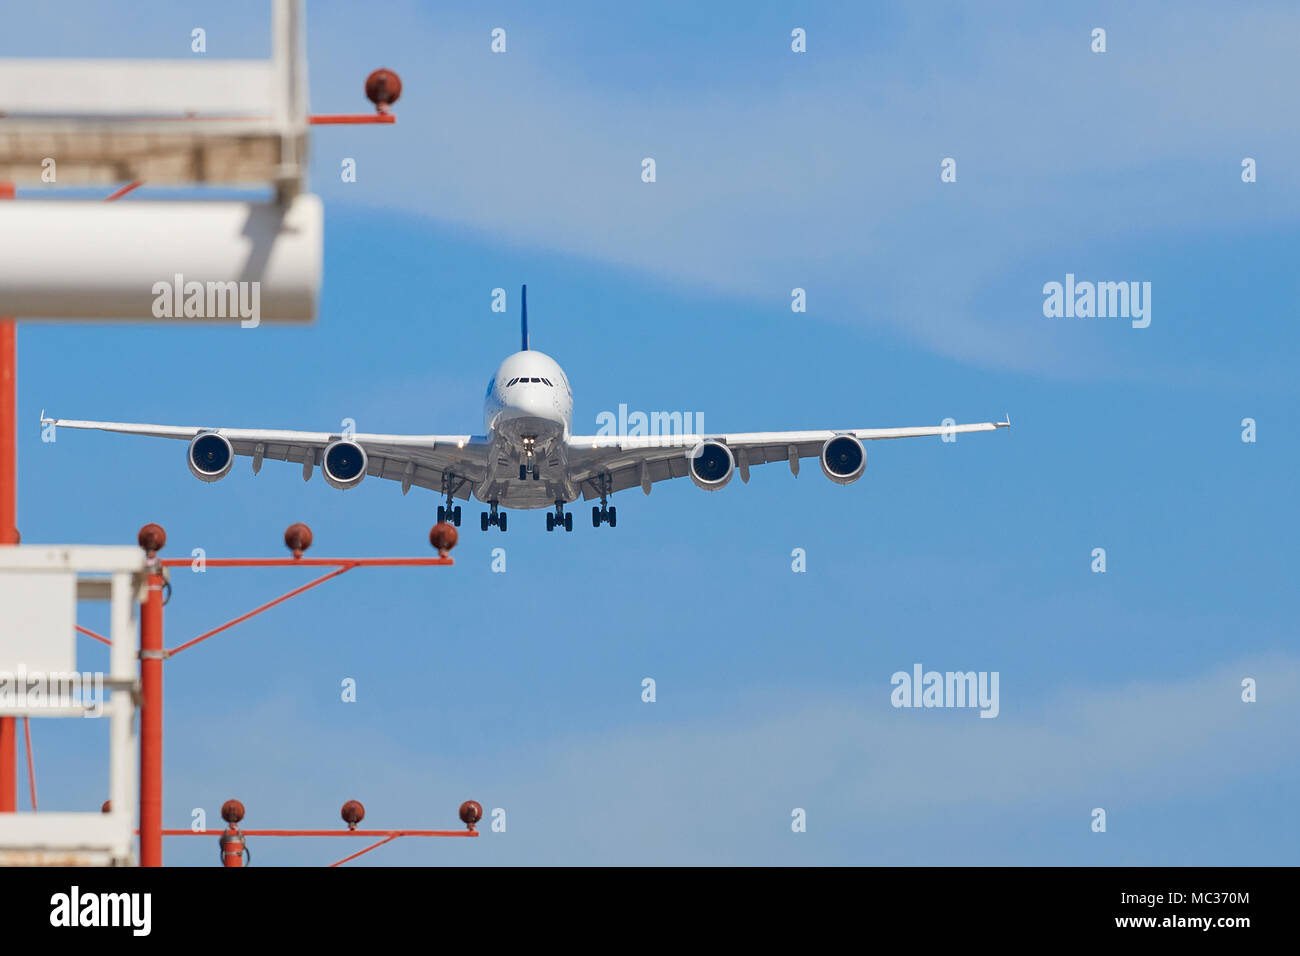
(535, 401)
(529, 402)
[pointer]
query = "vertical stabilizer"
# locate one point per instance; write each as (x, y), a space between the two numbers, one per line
(523, 297)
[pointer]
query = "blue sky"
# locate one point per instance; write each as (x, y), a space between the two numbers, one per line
(775, 170)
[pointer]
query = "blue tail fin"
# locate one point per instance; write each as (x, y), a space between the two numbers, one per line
(523, 294)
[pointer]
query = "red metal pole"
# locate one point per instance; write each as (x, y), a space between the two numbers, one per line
(232, 847)
(265, 607)
(8, 765)
(334, 833)
(373, 846)
(8, 519)
(151, 721)
(129, 187)
(346, 119)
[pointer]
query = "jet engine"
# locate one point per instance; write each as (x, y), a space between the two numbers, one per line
(843, 459)
(343, 464)
(210, 456)
(711, 464)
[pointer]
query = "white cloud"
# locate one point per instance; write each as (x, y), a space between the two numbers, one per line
(720, 790)
(831, 182)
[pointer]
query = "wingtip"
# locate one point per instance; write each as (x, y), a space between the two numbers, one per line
(1006, 421)
(44, 420)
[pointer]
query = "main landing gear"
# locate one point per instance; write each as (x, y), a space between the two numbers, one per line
(496, 518)
(448, 513)
(559, 518)
(604, 513)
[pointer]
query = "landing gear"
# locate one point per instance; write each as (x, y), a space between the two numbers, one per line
(528, 466)
(450, 512)
(489, 519)
(559, 518)
(604, 513)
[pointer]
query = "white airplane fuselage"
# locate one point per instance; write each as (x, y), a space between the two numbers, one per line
(527, 413)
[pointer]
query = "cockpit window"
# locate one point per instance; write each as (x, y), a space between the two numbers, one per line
(547, 381)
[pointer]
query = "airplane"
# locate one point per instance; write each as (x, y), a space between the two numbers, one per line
(528, 411)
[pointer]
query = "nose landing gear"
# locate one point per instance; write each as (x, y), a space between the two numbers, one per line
(529, 464)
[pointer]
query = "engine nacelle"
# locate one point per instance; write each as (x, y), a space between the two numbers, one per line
(343, 464)
(210, 456)
(711, 464)
(843, 459)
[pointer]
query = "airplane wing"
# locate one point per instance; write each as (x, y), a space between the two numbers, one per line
(618, 462)
(428, 461)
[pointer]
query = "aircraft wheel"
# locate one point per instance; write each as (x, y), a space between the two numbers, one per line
(613, 516)
(456, 516)
(568, 521)
(550, 521)
(595, 516)
(483, 520)
(501, 521)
